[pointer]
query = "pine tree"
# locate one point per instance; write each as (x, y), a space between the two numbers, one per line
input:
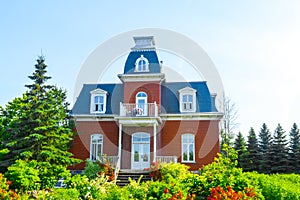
(41, 130)
(13, 132)
(240, 147)
(279, 151)
(264, 143)
(294, 147)
(252, 157)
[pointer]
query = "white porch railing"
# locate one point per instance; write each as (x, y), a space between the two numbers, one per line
(117, 169)
(166, 159)
(138, 110)
(112, 160)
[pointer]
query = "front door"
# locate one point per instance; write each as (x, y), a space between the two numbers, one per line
(140, 151)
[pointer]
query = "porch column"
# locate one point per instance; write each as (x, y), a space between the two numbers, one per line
(120, 143)
(154, 142)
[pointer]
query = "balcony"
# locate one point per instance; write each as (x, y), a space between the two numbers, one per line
(138, 110)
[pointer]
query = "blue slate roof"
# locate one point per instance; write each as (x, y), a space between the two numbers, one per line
(114, 97)
(154, 66)
(170, 97)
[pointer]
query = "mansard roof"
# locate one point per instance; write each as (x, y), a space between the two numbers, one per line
(115, 95)
(170, 96)
(144, 47)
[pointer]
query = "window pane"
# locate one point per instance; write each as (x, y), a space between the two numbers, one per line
(184, 98)
(187, 147)
(96, 99)
(96, 146)
(101, 99)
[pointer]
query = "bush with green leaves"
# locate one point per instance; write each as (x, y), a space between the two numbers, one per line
(24, 176)
(172, 171)
(5, 192)
(223, 172)
(91, 169)
(278, 186)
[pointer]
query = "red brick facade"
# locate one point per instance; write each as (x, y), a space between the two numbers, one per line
(168, 140)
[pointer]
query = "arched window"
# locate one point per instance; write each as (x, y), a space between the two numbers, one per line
(141, 101)
(96, 146)
(141, 64)
(187, 148)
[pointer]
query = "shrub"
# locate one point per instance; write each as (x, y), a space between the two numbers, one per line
(5, 193)
(279, 186)
(66, 194)
(223, 172)
(24, 176)
(91, 169)
(80, 183)
(136, 190)
(172, 171)
(219, 193)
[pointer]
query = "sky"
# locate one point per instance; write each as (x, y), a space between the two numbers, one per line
(254, 45)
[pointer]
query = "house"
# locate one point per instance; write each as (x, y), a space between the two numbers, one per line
(145, 118)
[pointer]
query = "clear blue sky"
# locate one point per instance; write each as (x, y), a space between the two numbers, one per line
(254, 44)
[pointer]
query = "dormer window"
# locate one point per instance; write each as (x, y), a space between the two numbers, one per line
(187, 98)
(98, 101)
(142, 64)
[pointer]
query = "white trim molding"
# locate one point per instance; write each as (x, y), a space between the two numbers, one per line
(100, 106)
(187, 99)
(137, 64)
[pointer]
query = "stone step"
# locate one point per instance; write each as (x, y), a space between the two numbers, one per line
(123, 177)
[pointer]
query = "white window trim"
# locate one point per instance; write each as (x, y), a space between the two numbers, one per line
(98, 92)
(187, 91)
(136, 69)
(187, 161)
(95, 136)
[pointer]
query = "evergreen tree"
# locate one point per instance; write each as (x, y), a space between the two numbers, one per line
(294, 147)
(13, 132)
(279, 151)
(264, 143)
(240, 147)
(252, 157)
(40, 129)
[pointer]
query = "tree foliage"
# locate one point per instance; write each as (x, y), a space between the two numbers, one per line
(36, 127)
(240, 147)
(294, 149)
(252, 156)
(229, 122)
(264, 143)
(279, 151)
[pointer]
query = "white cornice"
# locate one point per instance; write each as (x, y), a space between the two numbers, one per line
(141, 77)
(192, 116)
(92, 117)
(151, 120)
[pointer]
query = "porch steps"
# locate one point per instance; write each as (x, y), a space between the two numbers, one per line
(124, 175)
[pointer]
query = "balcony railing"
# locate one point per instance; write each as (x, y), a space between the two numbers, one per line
(166, 159)
(138, 110)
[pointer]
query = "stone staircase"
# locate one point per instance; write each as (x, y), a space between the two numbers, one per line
(124, 175)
